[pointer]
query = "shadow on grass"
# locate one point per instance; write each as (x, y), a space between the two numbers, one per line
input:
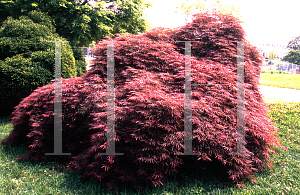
(190, 175)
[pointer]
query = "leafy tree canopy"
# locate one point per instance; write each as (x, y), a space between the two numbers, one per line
(83, 22)
(27, 58)
(294, 55)
(202, 6)
(294, 44)
(273, 55)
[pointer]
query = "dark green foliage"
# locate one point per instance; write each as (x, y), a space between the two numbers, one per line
(42, 19)
(79, 61)
(293, 57)
(27, 59)
(80, 22)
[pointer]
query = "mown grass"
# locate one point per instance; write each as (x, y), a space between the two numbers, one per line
(280, 80)
(25, 177)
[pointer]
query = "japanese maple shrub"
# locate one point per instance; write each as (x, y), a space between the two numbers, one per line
(149, 107)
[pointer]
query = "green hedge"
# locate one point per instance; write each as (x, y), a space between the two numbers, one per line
(27, 58)
(79, 61)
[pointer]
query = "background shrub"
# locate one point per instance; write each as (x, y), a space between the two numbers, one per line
(149, 108)
(80, 61)
(27, 59)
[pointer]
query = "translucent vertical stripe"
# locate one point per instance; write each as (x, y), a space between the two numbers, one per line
(241, 150)
(188, 131)
(110, 102)
(240, 99)
(57, 103)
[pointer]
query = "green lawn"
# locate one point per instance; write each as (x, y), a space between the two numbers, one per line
(21, 177)
(280, 80)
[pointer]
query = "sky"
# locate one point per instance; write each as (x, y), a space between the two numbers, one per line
(266, 22)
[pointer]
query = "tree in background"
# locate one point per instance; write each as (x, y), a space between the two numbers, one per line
(80, 22)
(293, 56)
(273, 55)
(83, 22)
(294, 44)
(201, 6)
(27, 59)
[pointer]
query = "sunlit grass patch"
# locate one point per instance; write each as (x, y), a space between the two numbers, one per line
(291, 81)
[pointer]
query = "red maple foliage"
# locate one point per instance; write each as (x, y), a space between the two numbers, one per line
(149, 107)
